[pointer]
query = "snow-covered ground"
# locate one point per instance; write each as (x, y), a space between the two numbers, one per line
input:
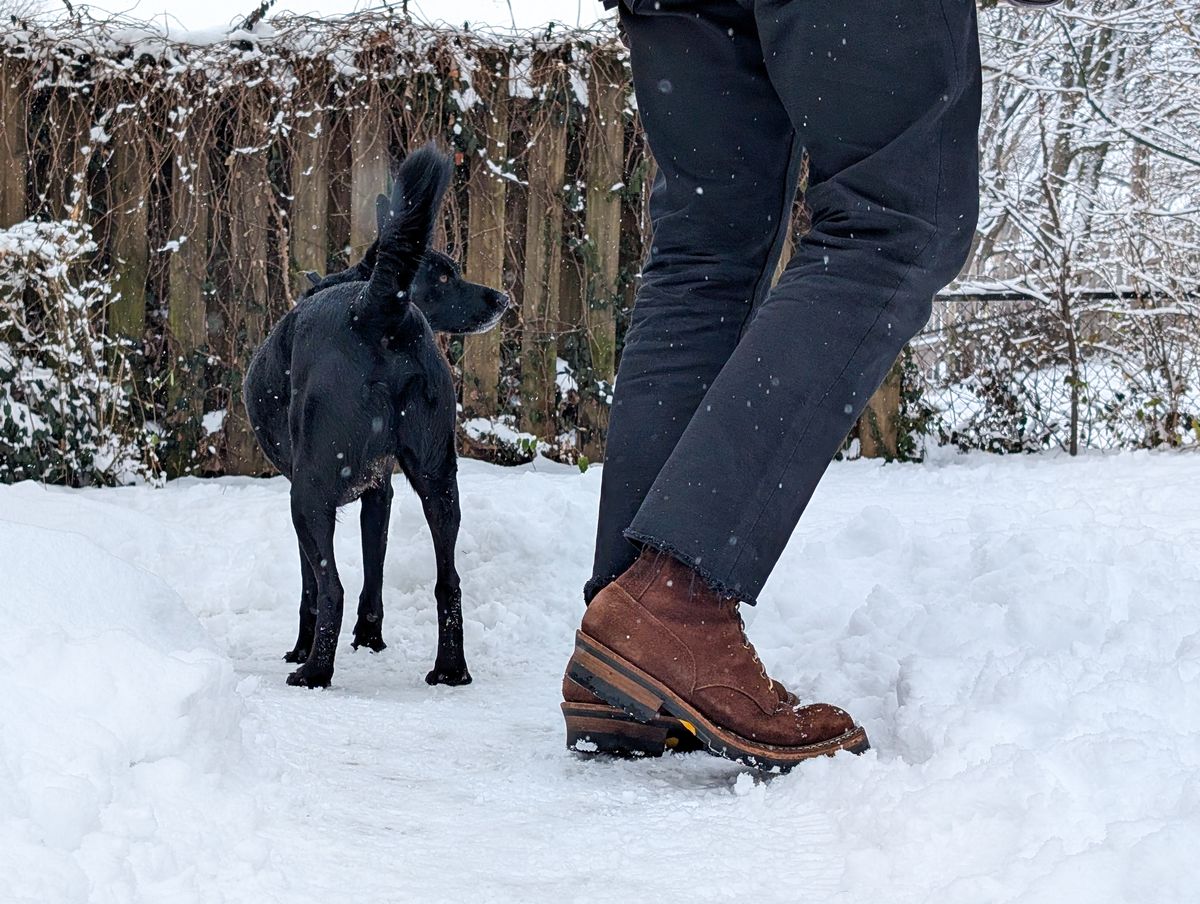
(1020, 636)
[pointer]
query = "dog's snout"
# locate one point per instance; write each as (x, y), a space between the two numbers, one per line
(500, 299)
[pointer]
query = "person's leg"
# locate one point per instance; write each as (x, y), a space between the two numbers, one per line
(885, 97)
(727, 173)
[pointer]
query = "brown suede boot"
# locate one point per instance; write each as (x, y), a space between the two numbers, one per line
(594, 726)
(659, 642)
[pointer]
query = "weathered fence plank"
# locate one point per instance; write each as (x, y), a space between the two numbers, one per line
(785, 255)
(543, 257)
(309, 218)
(186, 274)
(338, 164)
(879, 425)
(129, 193)
(797, 226)
(14, 154)
(605, 172)
(64, 192)
(368, 173)
(572, 335)
(486, 194)
(605, 152)
(250, 194)
(187, 315)
(571, 281)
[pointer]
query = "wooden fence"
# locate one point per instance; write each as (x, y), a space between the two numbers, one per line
(215, 177)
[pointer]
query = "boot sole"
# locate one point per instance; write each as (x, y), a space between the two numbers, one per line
(622, 684)
(594, 728)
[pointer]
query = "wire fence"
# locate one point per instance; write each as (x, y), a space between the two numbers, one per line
(1009, 374)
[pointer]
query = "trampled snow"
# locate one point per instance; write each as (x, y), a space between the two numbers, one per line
(1020, 637)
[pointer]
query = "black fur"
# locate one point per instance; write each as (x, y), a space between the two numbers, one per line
(350, 384)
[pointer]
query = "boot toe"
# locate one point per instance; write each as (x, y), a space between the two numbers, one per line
(823, 722)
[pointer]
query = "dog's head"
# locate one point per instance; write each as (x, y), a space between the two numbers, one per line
(449, 302)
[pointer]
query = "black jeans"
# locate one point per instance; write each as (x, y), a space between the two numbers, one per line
(731, 400)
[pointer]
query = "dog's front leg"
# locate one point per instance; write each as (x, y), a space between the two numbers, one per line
(439, 498)
(376, 512)
(308, 612)
(314, 517)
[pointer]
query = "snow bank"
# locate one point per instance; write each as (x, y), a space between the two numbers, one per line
(1025, 654)
(118, 719)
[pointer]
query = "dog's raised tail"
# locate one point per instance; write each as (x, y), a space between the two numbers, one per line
(420, 184)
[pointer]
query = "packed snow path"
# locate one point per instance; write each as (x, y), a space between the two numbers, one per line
(1020, 637)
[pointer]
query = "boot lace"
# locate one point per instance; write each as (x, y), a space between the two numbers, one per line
(735, 609)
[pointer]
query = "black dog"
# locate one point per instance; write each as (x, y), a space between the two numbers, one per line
(349, 384)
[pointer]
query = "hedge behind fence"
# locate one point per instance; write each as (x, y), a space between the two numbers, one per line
(214, 176)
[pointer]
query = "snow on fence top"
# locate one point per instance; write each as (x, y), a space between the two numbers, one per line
(356, 47)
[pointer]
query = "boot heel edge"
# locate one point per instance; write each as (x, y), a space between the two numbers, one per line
(611, 685)
(614, 734)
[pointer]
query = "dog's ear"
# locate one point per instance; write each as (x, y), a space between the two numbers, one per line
(383, 211)
(369, 258)
(397, 199)
(313, 277)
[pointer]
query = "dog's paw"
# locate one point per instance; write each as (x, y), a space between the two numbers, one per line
(306, 677)
(371, 639)
(297, 656)
(455, 677)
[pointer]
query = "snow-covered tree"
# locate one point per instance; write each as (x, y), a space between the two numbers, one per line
(1091, 219)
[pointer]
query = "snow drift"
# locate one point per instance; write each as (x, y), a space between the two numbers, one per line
(121, 718)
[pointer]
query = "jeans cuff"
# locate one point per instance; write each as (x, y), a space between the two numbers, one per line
(717, 584)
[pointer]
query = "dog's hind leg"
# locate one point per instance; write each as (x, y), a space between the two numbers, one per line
(439, 498)
(314, 520)
(308, 612)
(376, 511)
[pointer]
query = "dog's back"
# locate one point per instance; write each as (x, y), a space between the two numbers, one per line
(325, 376)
